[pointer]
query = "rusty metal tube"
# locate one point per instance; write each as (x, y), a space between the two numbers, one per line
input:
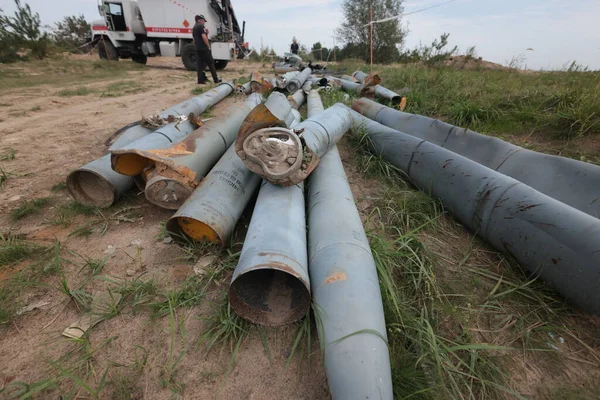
(176, 171)
(552, 240)
(96, 184)
(296, 82)
(214, 208)
(345, 284)
(286, 157)
(572, 182)
(126, 161)
(270, 285)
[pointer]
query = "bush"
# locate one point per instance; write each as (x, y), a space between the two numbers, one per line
(21, 35)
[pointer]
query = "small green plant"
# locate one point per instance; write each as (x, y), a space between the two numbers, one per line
(66, 213)
(4, 175)
(30, 207)
(189, 294)
(123, 88)
(80, 91)
(198, 90)
(9, 155)
(225, 328)
(58, 187)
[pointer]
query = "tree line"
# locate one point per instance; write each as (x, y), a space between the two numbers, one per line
(23, 36)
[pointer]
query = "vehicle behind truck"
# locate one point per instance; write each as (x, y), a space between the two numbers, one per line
(139, 29)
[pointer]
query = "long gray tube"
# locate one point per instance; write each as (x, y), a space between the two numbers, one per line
(296, 82)
(360, 76)
(96, 184)
(552, 240)
(126, 161)
(297, 99)
(348, 86)
(284, 69)
(345, 284)
(214, 208)
(282, 156)
(572, 182)
(176, 171)
(270, 285)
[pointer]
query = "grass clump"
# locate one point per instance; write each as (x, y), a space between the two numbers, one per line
(30, 207)
(9, 155)
(66, 213)
(14, 250)
(122, 88)
(80, 91)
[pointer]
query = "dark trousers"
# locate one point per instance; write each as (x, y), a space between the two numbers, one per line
(205, 59)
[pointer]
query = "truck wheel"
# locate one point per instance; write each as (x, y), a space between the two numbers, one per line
(107, 51)
(139, 58)
(221, 64)
(189, 57)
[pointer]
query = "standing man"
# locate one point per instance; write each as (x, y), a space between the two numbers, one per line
(203, 49)
(294, 46)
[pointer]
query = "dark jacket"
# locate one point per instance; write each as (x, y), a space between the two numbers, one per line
(197, 32)
(294, 48)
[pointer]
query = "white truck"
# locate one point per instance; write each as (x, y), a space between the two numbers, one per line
(139, 29)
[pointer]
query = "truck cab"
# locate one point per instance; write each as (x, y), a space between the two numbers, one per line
(139, 29)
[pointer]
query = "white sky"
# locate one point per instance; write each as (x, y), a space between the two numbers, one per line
(558, 31)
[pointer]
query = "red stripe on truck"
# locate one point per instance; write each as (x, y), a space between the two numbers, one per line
(168, 30)
(99, 28)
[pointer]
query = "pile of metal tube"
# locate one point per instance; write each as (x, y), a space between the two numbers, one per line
(305, 244)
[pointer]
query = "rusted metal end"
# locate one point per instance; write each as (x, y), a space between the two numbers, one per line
(258, 84)
(90, 188)
(186, 229)
(278, 155)
(260, 117)
(264, 152)
(167, 192)
(128, 162)
(271, 294)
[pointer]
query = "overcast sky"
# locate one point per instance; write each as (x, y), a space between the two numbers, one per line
(558, 31)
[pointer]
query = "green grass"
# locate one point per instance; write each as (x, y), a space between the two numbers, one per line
(63, 72)
(9, 155)
(564, 105)
(14, 250)
(80, 91)
(4, 176)
(66, 213)
(58, 187)
(30, 207)
(122, 88)
(198, 90)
